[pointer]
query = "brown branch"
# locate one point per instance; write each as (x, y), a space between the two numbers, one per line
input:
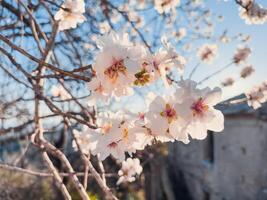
(45, 174)
(56, 152)
(19, 15)
(99, 180)
(41, 62)
(56, 176)
(126, 17)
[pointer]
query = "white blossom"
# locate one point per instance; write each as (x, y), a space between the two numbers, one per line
(60, 91)
(163, 61)
(83, 138)
(181, 33)
(253, 13)
(165, 6)
(116, 136)
(115, 65)
(163, 121)
(70, 14)
(129, 170)
(257, 96)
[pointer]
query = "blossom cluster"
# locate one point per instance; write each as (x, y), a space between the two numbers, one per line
(184, 111)
(188, 111)
(120, 65)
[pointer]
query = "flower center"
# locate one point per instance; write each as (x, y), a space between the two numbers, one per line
(113, 145)
(155, 65)
(165, 3)
(199, 107)
(99, 88)
(114, 70)
(169, 113)
(207, 54)
(125, 133)
(106, 127)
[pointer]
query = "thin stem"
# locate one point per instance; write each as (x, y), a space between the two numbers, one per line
(194, 70)
(215, 73)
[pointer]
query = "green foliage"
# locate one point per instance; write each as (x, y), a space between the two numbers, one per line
(46, 191)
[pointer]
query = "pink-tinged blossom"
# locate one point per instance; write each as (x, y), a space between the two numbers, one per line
(207, 52)
(181, 33)
(197, 109)
(246, 71)
(115, 65)
(241, 55)
(116, 136)
(163, 121)
(70, 14)
(257, 96)
(108, 141)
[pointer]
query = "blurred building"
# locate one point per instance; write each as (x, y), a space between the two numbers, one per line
(231, 165)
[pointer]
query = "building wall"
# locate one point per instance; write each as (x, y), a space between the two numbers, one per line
(231, 165)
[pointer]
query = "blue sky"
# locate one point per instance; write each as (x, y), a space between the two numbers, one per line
(258, 43)
(234, 25)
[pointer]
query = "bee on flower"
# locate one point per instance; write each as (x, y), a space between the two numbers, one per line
(115, 65)
(158, 65)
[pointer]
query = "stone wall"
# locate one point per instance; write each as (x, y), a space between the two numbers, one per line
(231, 165)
